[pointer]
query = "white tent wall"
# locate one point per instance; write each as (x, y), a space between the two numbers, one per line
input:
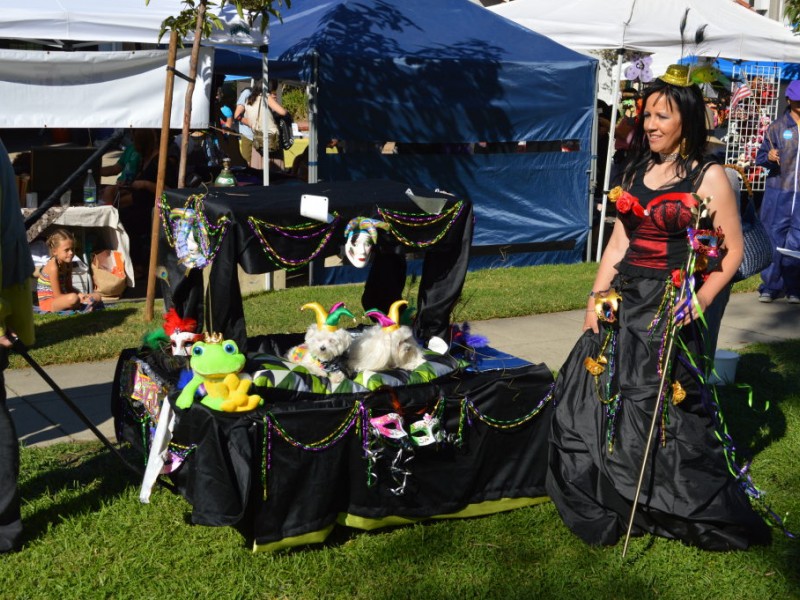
(97, 89)
(113, 21)
(127, 88)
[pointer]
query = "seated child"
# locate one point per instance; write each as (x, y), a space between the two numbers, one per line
(54, 287)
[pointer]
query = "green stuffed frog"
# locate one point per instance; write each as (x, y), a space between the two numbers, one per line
(215, 364)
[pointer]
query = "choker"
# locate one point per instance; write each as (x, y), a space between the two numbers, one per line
(668, 157)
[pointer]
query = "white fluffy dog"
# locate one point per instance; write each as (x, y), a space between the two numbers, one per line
(386, 345)
(325, 344)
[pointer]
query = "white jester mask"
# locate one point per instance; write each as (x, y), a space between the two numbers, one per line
(181, 342)
(358, 248)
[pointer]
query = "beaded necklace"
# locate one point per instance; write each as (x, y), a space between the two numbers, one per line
(304, 231)
(419, 221)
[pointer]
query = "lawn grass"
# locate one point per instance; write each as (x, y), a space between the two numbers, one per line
(87, 536)
(487, 294)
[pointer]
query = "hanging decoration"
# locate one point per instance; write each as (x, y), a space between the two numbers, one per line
(196, 240)
(404, 224)
(640, 69)
(312, 233)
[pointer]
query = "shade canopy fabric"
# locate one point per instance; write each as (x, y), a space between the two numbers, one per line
(94, 88)
(732, 31)
(443, 74)
(420, 71)
(114, 21)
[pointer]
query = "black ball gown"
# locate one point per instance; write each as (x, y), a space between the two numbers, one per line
(601, 423)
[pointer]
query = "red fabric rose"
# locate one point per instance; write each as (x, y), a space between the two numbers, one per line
(628, 202)
(677, 277)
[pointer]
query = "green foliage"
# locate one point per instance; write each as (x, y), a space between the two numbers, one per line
(88, 536)
(185, 22)
(294, 100)
(791, 11)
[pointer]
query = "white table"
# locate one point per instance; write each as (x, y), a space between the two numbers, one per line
(103, 216)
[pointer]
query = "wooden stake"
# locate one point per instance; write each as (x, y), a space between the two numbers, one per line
(162, 170)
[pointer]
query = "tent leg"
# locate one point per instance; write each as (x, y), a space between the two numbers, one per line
(162, 171)
(593, 167)
(264, 93)
(610, 155)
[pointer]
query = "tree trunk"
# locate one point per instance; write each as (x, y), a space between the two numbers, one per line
(187, 110)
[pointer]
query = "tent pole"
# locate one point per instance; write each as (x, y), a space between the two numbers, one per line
(265, 108)
(610, 155)
(162, 170)
(593, 165)
(313, 145)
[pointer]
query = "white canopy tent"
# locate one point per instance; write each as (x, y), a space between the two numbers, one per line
(732, 31)
(102, 89)
(112, 21)
(97, 89)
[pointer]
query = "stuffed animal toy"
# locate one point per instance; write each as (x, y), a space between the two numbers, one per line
(325, 344)
(386, 345)
(216, 364)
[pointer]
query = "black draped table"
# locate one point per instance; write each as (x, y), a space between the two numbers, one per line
(287, 472)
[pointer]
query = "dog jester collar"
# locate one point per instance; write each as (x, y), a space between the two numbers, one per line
(330, 366)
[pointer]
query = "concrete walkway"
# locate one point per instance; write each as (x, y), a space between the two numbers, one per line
(42, 418)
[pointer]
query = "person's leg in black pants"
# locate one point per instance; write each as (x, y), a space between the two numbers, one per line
(10, 520)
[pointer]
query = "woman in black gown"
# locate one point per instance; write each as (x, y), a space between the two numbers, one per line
(608, 387)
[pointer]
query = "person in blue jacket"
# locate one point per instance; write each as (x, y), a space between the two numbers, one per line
(780, 209)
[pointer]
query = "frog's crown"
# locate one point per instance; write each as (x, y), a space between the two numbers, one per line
(212, 338)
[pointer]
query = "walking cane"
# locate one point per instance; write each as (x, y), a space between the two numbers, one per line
(653, 421)
(22, 350)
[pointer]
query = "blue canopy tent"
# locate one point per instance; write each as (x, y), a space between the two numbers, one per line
(447, 74)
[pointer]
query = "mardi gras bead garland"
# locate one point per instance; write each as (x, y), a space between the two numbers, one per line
(330, 440)
(375, 444)
(178, 226)
(606, 359)
(418, 221)
(469, 405)
(298, 233)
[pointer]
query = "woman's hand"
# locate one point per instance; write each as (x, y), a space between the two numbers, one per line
(774, 156)
(590, 320)
(690, 309)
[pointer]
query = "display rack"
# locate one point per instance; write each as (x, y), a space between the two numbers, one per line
(751, 110)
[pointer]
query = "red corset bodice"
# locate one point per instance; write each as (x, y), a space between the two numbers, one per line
(656, 222)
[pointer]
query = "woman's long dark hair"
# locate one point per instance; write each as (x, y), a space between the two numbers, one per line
(689, 102)
(255, 91)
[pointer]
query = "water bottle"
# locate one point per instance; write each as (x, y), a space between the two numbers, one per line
(89, 190)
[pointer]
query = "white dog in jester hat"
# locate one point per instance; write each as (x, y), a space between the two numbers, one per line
(386, 345)
(325, 344)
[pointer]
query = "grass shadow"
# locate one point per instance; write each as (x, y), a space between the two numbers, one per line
(55, 329)
(752, 407)
(71, 480)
